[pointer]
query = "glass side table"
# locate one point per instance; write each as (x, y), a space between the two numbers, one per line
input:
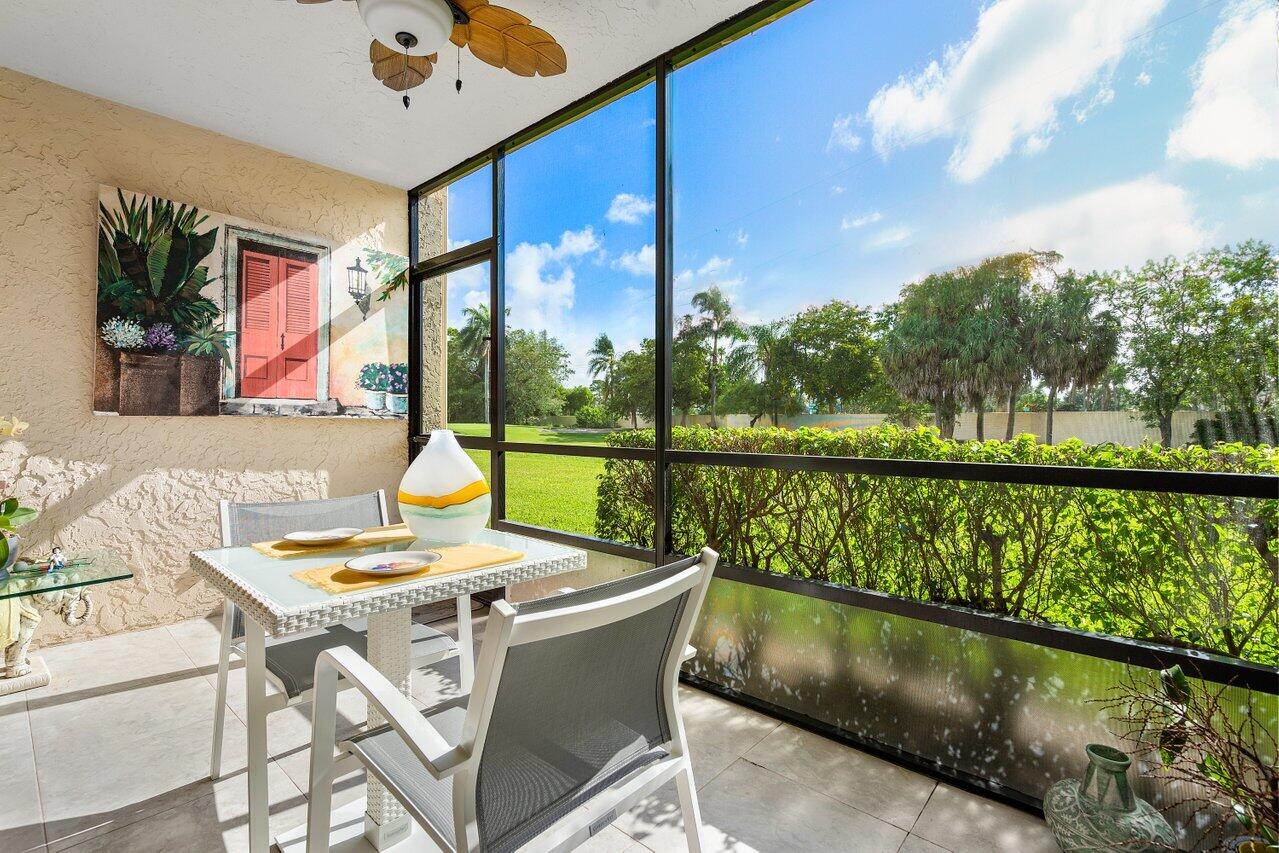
(27, 595)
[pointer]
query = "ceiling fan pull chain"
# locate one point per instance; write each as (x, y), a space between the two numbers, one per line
(459, 69)
(406, 68)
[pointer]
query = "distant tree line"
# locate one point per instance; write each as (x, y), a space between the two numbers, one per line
(1013, 332)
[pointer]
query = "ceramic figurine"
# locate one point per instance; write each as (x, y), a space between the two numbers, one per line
(58, 561)
(1100, 812)
(443, 496)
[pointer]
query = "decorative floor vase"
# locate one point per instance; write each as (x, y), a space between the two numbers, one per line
(443, 495)
(1100, 812)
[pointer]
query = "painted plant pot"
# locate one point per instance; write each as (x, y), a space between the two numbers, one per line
(443, 496)
(397, 403)
(149, 383)
(375, 400)
(200, 385)
(106, 377)
(1101, 813)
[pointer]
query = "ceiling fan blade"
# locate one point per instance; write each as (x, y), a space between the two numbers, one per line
(506, 39)
(397, 71)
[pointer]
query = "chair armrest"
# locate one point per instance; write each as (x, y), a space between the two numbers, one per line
(430, 747)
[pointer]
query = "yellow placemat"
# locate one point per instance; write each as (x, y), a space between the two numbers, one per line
(338, 579)
(371, 536)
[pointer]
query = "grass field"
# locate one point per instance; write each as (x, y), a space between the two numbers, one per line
(548, 491)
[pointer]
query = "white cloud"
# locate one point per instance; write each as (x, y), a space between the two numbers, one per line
(1114, 226)
(836, 189)
(540, 279)
(1003, 85)
(468, 288)
(641, 262)
(716, 270)
(842, 135)
(629, 208)
(1143, 79)
(1102, 97)
(898, 235)
(742, 238)
(1233, 116)
(850, 222)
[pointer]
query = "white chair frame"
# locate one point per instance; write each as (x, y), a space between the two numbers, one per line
(228, 646)
(506, 628)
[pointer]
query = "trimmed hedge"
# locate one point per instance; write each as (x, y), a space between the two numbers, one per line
(1192, 571)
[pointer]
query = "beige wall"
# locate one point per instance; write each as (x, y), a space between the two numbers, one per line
(148, 487)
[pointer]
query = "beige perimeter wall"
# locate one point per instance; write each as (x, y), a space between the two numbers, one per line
(148, 487)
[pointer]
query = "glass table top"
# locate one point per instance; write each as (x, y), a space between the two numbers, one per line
(272, 577)
(85, 569)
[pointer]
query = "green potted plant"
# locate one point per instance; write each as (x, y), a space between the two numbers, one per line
(149, 272)
(1222, 749)
(12, 516)
(203, 351)
(397, 388)
(374, 379)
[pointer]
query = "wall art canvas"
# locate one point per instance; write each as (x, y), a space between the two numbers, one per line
(204, 314)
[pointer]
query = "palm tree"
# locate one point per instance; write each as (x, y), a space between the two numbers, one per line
(603, 363)
(768, 356)
(476, 339)
(715, 322)
(1073, 344)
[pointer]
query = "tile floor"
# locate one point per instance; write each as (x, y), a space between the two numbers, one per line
(113, 755)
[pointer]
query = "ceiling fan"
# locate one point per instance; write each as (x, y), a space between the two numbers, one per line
(419, 28)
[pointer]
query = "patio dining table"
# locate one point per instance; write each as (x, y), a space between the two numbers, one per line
(276, 603)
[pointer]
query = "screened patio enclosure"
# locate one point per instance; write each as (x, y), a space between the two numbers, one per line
(969, 608)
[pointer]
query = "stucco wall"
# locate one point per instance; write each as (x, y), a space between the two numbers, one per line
(148, 487)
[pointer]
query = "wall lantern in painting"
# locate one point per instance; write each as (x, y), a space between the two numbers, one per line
(357, 285)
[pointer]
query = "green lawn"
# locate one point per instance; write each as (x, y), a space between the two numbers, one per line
(549, 491)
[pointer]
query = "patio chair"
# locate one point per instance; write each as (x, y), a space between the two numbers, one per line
(574, 717)
(290, 660)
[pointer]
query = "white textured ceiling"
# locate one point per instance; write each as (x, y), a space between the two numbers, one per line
(296, 78)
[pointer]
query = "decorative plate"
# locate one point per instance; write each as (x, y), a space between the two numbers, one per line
(322, 537)
(392, 562)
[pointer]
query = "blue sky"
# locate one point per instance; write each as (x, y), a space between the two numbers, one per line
(852, 147)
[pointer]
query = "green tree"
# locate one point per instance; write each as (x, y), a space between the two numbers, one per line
(1167, 310)
(602, 365)
(635, 388)
(536, 367)
(689, 387)
(714, 321)
(466, 393)
(766, 364)
(1245, 330)
(575, 398)
(995, 333)
(475, 337)
(836, 356)
(1072, 342)
(924, 352)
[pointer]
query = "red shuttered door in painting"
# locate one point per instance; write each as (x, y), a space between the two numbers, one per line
(278, 318)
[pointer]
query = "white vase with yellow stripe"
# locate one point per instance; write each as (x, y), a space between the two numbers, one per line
(443, 495)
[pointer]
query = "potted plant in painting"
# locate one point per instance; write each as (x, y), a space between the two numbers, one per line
(374, 378)
(397, 388)
(203, 352)
(149, 273)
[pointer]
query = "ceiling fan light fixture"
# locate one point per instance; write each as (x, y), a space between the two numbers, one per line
(418, 27)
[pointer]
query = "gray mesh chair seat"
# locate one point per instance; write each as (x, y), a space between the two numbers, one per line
(291, 659)
(543, 766)
(572, 720)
